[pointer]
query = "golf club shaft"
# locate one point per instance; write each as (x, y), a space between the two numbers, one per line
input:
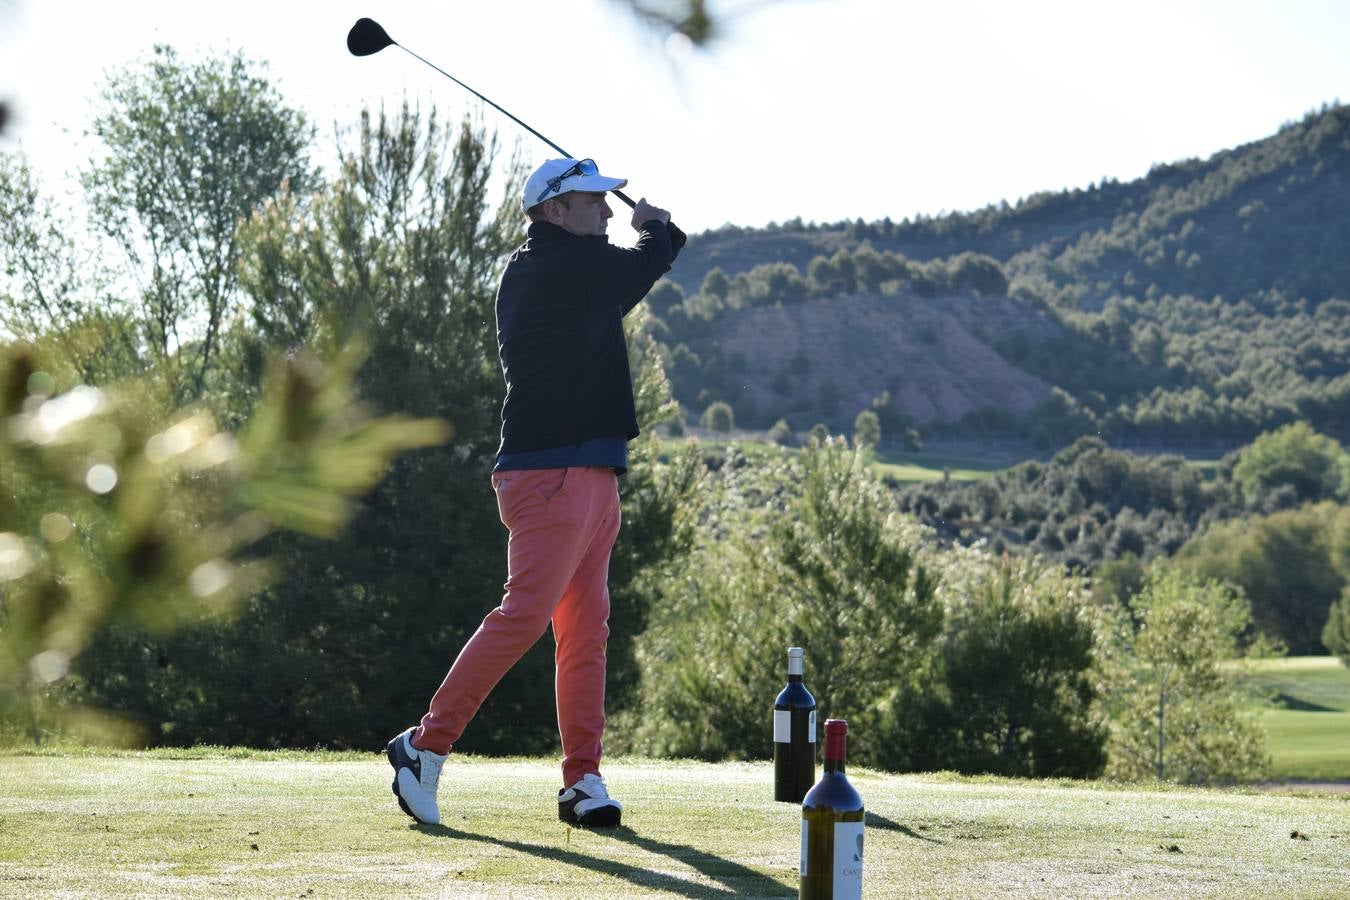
(620, 194)
(487, 101)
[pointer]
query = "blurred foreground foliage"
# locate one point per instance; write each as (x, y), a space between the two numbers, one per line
(110, 513)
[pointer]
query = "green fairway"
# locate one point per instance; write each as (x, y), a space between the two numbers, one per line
(908, 467)
(231, 824)
(914, 471)
(1307, 716)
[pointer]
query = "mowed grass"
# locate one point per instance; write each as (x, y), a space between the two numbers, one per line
(901, 467)
(911, 467)
(232, 824)
(1307, 717)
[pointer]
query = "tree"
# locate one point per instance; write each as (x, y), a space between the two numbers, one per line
(1313, 465)
(49, 290)
(1336, 633)
(1012, 690)
(715, 284)
(718, 417)
(977, 273)
(866, 429)
(1286, 564)
(803, 550)
(401, 252)
(663, 296)
(192, 149)
(1180, 718)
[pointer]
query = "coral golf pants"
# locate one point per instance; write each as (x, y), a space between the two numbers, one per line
(562, 523)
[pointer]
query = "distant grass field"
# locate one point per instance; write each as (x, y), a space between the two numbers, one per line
(1307, 716)
(914, 469)
(234, 823)
(931, 464)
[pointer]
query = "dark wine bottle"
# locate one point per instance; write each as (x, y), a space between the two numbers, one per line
(832, 828)
(794, 735)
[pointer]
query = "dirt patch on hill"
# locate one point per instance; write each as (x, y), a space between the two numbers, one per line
(935, 355)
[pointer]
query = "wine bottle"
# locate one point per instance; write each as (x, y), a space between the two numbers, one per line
(832, 828)
(794, 735)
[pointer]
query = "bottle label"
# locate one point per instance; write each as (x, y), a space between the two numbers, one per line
(804, 842)
(848, 860)
(782, 726)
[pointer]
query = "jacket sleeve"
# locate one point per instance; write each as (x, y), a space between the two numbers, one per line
(622, 276)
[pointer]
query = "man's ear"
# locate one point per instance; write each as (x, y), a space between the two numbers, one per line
(553, 211)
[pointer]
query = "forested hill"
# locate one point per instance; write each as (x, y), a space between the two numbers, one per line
(1203, 303)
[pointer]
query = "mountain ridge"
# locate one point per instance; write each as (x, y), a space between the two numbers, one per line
(1124, 296)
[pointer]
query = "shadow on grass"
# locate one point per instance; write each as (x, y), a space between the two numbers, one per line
(885, 824)
(1287, 702)
(740, 880)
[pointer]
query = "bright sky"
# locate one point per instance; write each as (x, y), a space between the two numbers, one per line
(826, 109)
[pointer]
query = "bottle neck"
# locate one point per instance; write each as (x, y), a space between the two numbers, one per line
(794, 679)
(794, 667)
(835, 752)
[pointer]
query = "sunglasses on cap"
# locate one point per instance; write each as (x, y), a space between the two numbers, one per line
(581, 167)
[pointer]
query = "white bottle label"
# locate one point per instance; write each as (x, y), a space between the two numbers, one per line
(811, 728)
(782, 726)
(848, 860)
(803, 866)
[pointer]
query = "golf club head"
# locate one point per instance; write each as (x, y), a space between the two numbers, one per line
(366, 37)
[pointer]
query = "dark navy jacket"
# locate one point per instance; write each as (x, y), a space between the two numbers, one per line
(560, 309)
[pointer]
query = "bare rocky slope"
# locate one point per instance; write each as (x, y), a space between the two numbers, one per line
(933, 354)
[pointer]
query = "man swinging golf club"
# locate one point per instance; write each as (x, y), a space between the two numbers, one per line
(566, 423)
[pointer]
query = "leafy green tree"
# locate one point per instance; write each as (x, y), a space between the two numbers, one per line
(1295, 457)
(977, 273)
(1285, 564)
(866, 429)
(662, 496)
(715, 284)
(663, 296)
(50, 289)
(1013, 687)
(1336, 633)
(1115, 581)
(846, 580)
(191, 150)
(718, 417)
(780, 433)
(1180, 714)
(400, 250)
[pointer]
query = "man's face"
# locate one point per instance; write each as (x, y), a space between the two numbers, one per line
(583, 212)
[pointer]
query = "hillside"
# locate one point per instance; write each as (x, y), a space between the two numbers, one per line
(1201, 301)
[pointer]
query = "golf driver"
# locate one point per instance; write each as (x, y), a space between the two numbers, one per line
(368, 37)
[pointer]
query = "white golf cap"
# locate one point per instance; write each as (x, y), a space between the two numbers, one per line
(563, 176)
